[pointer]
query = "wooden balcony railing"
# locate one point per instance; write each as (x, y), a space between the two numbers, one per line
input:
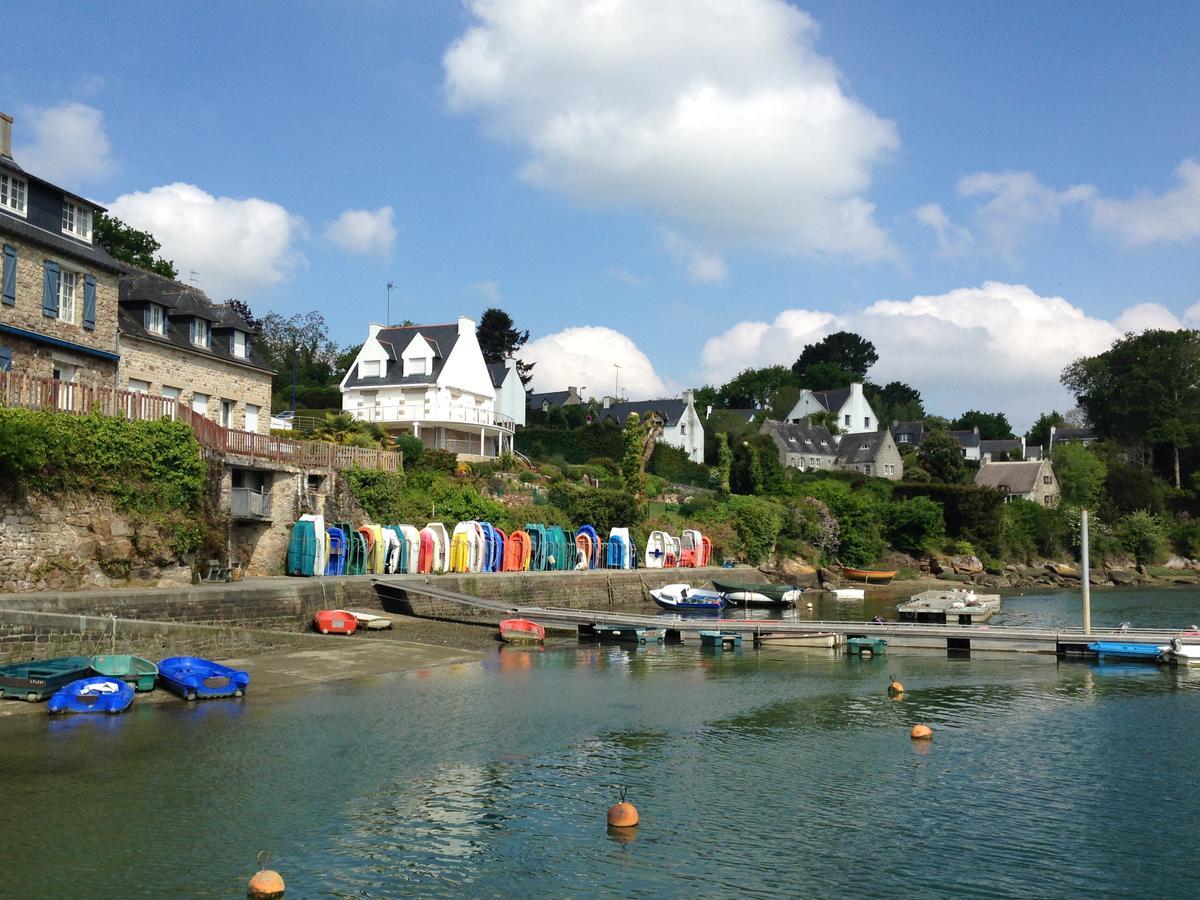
(216, 440)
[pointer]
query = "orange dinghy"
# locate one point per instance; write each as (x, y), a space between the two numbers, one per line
(516, 552)
(335, 621)
(870, 576)
(521, 631)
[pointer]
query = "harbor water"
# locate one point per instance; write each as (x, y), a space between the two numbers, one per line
(776, 773)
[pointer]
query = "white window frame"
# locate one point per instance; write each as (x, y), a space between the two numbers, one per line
(67, 282)
(170, 393)
(239, 344)
(14, 193)
(228, 408)
(77, 220)
(252, 412)
(200, 404)
(201, 329)
(416, 365)
(158, 319)
(369, 368)
(138, 386)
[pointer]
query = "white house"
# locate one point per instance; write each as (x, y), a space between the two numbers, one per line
(681, 426)
(510, 391)
(431, 381)
(854, 413)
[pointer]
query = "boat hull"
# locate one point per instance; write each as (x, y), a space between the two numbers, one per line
(818, 639)
(101, 694)
(193, 678)
(684, 598)
(335, 621)
(870, 576)
(1148, 653)
(764, 595)
(37, 680)
(521, 631)
(133, 670)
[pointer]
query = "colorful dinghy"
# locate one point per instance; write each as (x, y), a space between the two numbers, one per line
(521, 631)
(302, 549)
(335, 621)
(336, 564)
(517, 552)
(138, 672)
(658, 548)
(193, 678)
(99, 694)
(320, 543)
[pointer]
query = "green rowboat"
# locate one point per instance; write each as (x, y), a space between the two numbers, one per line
(38, 679)
(139, 673)
(742, 593)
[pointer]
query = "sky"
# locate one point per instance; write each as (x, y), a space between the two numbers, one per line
(681, 188)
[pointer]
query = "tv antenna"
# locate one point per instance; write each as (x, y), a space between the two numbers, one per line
(391, 285)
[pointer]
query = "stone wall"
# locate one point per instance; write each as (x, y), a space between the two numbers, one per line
(198, 372)
(26, 635)
(34, 359)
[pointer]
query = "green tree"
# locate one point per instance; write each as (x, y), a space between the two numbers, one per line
(1039, 434)
(128, 244)
(825, 376)
(300, 351)
(915, 525)
(499, 338)
(992, 426)
(724, 463)
(1080, 474)
(755, 387)
(1143, 389)
(634, 437)
(895, 402)
(826, 419)
(844, 349)
(1144, 536)
(941, 456)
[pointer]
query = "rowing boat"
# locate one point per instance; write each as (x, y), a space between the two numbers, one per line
(741, 593)
(870, 576)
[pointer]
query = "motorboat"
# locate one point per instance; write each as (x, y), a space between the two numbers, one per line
(685, 598)
(1184, 654)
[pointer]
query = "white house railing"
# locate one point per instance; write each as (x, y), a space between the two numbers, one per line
(387, 413)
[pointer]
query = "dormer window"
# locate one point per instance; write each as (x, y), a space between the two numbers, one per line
(156, 319)
(368, 368)
(77, 220)
(201, 334)
(12, 193)
(415, 366)
(238, 344)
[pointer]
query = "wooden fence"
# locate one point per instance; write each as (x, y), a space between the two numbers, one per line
(82, 399)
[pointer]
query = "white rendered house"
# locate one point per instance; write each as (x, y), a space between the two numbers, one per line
(681, 426)
(510, 391)
(854, 413)
(430, 381)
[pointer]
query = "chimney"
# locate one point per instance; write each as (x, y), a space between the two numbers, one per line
(465, 326)
(6, 122)
(607, 402)
(373, 329)
(687, 397)
(510, 362)
(855, 389)
(571, 390)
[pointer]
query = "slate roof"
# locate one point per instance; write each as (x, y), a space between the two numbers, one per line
(59, 243)
(554, 398)
(1014, 477)
(832, 400)
(966, 438)
(1075, 434)
(671, 409)
(916, 429)
(183, 302)
(499, 372)
(860, 448)
(1034, 451)
(395, 340)
(802, 437)
(1000, 446)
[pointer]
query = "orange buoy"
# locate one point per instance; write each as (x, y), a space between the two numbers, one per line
(265, 883)
(895, 687)
(922, 732)
(622, 814)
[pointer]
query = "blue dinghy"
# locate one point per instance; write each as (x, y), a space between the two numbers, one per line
(99, 694)
(193, 678)
(1122, 650)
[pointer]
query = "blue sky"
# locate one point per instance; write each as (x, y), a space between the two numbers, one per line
(686, 188)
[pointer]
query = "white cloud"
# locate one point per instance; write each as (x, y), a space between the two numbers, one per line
(1142, 316)
(997, 346)
(364, 231)
(1147, 218)
(69, 146)
(585, 356)
(717, 115)
(625, 276)
(701, 265)
(235, 246)
(488, 290)
(953, 240)
(1019, 205)
(1192, 315)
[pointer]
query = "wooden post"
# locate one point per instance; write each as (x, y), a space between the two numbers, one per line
(1085, 572)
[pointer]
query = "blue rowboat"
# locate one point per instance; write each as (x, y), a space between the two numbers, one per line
(1122, 650)
(99, 694)
(193, 678)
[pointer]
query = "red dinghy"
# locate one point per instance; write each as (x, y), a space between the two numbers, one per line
(335, 621)
(521, 631)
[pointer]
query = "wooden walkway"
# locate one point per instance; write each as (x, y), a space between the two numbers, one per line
(949, 638)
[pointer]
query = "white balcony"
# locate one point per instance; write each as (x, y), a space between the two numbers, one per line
(406, 414)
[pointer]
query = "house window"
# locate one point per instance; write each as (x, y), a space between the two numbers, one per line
(866, 421)
(416, 366)
(201, 333)
(171, 393)
(139, 387)
(866, 470)
(239, 345)
(847, 420)
(1045, 479)
(682, 428)
(251, 417)
(368, 368)
(77, 220)
(1046, 499)
(227, 407)
(200, 404)
(904, 438)
(12, 193)
(158, 319)
(66, 296)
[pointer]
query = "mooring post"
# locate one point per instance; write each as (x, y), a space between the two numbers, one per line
(1085, 574)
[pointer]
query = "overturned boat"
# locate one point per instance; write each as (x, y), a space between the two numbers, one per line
(765, 594)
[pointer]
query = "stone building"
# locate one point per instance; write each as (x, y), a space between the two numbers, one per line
(1033, 480)
(58, 303)
(849, 405)
(176, 343)
(809, 447)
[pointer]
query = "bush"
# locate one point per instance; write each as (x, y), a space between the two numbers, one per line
(1030, 529)
(422, 496)
(1144, 537)
(1187, 538)
(442, 461)
(971, 513)
(599, 507)
(859, 519)
(412, 448)
(575, 445)
(757, 523)
(673, 464)
(915, 525)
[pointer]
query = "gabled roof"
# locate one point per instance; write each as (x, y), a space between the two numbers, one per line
(59, 243)
(1034, 451)
(915, 428)
(1075, 434)
(860, 448)
(832, 400)
(671, 409)
(395, 340)
(802, 437)
(499, 372)
(554, 398)
(1000, 446)
(183, 302)
(1014, 477)
(966, 438)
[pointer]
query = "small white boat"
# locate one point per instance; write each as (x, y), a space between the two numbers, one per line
(819, 639)
(1184, 654)
(850, 594)
(370, 620)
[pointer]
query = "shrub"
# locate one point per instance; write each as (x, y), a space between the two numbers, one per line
(915, 525)
(1187, 538)
(757, 523)
(600, 507)
(1143, 536)
(412, 448)
(673, 464)
(442, 461)
(1029, 529)
(859, 519)
(971, 513)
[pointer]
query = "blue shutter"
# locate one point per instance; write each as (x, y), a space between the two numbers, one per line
(5, 359)
(10, 276)
(50, 290)
(89, 302)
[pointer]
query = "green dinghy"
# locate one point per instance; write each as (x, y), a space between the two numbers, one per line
(38, 679)
(139, 673)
